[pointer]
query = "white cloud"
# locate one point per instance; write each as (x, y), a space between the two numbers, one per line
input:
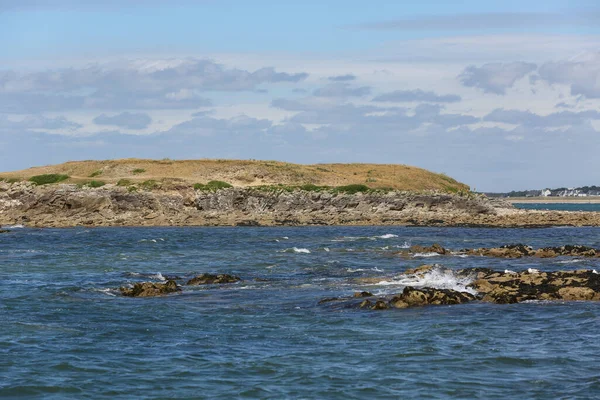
(495, 77)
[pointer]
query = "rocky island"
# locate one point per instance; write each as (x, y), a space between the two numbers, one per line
(253, 193)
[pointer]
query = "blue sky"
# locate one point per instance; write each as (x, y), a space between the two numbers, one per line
(501, 95)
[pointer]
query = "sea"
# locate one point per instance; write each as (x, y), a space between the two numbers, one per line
(595, 207)
(66, 333)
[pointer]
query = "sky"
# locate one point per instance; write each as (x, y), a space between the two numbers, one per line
(501, 95)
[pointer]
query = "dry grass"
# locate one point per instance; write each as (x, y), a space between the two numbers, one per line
(249, 173)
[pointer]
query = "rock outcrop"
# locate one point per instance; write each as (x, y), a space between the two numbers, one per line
(510, 251)
(63, 205)
(150, 289)
(212, 279)
(515, 287)
(483, 285)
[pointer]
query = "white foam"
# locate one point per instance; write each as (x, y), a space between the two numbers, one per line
(577, 260)
(533, 271)
(285, 237)
(405, 245)
(387, 236)
(158, 276)
(509, 272)
(108, 291)
(425, 255)
(326, 249)
(355, 270)
(17, 226)
(301, 250)
(438, 278)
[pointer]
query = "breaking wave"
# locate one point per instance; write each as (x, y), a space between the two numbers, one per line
(438, 278)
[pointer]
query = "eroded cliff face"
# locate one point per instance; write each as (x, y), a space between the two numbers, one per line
(110, 205)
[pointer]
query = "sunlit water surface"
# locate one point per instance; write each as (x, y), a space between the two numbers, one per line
(66, 333)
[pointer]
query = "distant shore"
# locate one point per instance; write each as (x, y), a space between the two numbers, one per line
(542, 200)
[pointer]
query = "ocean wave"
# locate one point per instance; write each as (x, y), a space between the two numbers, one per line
(352, 270)
(157, 276)
(438, 278)
(152, 240)
(577, 260)
(425, 255)
(106, 291)
(355, 238)
(17, 226)
(296, 250)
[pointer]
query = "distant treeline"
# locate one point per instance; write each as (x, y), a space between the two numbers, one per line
(559, 192)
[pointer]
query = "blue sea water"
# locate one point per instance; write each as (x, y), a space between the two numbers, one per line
(66, 333)
(559, 206)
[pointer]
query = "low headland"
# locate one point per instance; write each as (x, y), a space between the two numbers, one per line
(134, 192)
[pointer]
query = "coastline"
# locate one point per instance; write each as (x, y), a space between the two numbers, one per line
(550, 200)
(66, 205)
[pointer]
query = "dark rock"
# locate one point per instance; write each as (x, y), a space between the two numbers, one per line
(212, 279)
(150, 289)
(248, 223)
(4, 231)
(435, 248)
(413, 297)
(363, 294)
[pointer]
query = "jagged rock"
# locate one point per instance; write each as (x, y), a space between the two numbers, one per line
(413, 297)
(150, 289)
(521, 250)
(435, 248)
(363, 294)
(212, 279)
(4, 231)
(511, 287)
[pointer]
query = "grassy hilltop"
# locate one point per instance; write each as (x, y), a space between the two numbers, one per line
(242, 173)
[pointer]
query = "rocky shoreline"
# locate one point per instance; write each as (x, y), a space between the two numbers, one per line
(67, 205)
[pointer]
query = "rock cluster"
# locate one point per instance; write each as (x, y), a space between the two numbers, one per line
(152, 289)
(511, 251)
(511, 287)
(212, 279)
(490, 286)
(417, 297)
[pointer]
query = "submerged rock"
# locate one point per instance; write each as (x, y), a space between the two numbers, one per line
(150, 289)
(211, 279)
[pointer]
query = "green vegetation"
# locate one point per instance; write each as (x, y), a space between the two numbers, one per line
(212, 186)
(13, 180)
(138, 171)
(124, 182)
(132, 189)
(95, 184)
(149, 184)
(352, 189)
(95, 174)
(48, 178)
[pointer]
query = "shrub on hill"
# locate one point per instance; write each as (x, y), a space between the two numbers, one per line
(138, 171)
(124, 182)
(96, 184)
(352, 189)
(48, 178)
(212, 186)
(95, 174)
